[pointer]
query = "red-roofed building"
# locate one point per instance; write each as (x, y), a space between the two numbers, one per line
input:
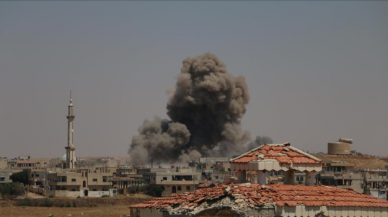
(264, 200)
(277, 157)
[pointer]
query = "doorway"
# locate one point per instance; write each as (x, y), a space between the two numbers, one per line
(86, 193)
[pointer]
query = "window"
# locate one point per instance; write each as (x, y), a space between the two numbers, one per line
(45, 163)
(179, 188)
(73, 180)
(94, 189)
(164, 178)
(2, 178)
(94, 180)
(73, 189)
(187, 188)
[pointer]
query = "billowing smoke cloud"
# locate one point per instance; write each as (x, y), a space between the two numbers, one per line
(205, 108)
(260, 140)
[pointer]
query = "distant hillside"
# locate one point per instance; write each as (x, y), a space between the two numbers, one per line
(363, 161)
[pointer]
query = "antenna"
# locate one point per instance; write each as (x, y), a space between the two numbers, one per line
(70, 94)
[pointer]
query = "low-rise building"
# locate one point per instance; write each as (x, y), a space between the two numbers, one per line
(79, 183)
(174, 181)
(376, 183)
(36, 177)
(5, 176)
(125, 178)
(341, 174)
(3, 163)
(276, 157)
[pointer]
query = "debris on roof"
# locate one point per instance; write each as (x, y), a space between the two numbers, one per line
(207, 185)
(242, 197)
(283, 153)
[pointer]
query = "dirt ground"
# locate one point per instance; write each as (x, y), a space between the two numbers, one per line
(107, 207)
(362, 162)
(106, 211)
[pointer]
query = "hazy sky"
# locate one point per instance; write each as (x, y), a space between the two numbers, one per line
(316, 71)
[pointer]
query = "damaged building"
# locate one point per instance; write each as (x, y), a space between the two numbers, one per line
(264, 200)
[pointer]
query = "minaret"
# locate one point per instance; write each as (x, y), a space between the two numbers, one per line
(70, 149)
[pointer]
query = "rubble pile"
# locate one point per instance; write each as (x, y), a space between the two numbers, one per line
(248, 197)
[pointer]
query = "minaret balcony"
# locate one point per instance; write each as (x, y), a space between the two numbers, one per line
(70, 147)
(70, 117)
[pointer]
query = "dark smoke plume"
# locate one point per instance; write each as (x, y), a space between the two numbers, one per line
(259, 141)
(205, 108)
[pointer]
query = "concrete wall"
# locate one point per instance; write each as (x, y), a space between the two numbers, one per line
(3, 163)
(72, 194)
(98, 193)
(303, 211)
(300, 211)
(145, 212)
(37, 190)
(4, 176)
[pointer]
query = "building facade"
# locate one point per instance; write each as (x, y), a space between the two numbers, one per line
(79, 183)
(174, 181)
(5, 176)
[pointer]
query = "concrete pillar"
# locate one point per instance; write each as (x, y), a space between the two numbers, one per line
(290, 177)
(261, 177)
(242, 176)
(310, 178)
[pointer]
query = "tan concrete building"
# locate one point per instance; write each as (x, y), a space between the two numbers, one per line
(80, 183)
(3, 163)
(36, 177)
(174, 181)
(5, 176)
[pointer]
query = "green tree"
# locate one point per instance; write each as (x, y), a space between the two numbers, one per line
(158, 191)
(21, 177)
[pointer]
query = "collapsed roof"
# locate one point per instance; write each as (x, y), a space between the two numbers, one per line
(242, 197)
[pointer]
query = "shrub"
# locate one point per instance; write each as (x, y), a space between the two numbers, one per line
(11, 189)
(74, 203)
(51, 196)
(158, 191)
(105, 196)
(24, 202)
(47, 203)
